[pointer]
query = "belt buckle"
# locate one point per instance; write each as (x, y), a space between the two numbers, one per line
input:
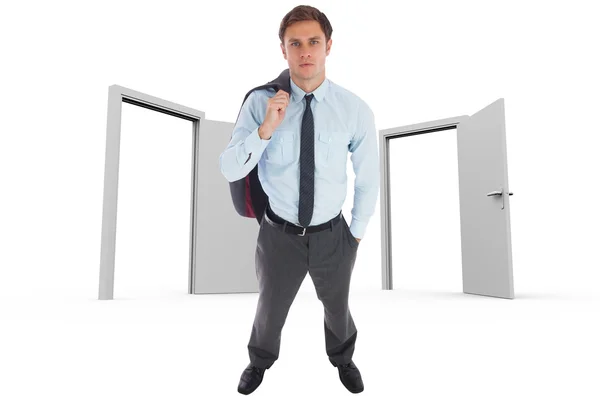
(303, 232)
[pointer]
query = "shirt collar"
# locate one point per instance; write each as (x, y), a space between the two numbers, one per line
(319, 93)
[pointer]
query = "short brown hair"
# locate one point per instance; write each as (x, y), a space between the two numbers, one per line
(305, 13)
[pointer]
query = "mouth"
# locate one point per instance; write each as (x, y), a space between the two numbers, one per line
(305, 65)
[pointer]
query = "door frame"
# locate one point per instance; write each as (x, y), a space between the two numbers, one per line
(117, 95)
(384, 160)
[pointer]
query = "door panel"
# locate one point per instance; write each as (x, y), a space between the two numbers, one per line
(484, 203)
(226, 241)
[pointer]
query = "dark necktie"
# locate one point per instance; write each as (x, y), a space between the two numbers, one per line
(307, 166)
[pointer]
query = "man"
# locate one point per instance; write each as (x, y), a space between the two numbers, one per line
(301, 143)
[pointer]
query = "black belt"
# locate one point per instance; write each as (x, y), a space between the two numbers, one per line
(288, 227)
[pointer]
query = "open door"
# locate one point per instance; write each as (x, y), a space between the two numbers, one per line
(484, 203)
(222, 244)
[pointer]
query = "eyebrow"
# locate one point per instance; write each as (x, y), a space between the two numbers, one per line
(311, 38)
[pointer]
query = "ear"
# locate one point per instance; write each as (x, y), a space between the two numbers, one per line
(328, 47)
(283, 51)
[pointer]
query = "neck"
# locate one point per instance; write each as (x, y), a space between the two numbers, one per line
(308, 85)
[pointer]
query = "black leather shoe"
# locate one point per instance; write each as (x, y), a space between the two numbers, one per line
(350, 376)
(251, 379)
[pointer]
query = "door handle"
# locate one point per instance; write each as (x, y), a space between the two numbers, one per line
(499, 193)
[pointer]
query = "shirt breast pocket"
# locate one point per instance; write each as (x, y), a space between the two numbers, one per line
(332, 148)
(281, 149)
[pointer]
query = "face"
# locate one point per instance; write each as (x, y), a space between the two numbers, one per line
(304, 42)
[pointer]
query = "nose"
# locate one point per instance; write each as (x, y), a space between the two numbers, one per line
(305, 56)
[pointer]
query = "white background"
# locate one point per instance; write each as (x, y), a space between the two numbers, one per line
(411, 62)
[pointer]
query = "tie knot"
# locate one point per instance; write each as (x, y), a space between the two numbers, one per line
(308, 98)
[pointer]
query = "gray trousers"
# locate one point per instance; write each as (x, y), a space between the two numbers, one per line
(282, 261)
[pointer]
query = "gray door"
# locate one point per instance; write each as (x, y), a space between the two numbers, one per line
(226, 241)
(484, 203)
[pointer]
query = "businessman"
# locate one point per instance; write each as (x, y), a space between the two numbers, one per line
(301, 142)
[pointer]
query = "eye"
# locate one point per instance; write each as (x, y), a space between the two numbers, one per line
(312, 41)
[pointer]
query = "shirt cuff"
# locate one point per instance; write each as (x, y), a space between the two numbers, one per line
(254, 144)
(358, 228)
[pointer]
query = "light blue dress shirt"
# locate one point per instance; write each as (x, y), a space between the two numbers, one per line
(343, 123)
